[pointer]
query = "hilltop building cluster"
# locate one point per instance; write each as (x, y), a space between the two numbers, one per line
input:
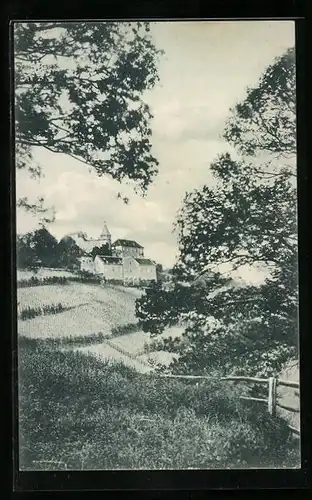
(123, 262)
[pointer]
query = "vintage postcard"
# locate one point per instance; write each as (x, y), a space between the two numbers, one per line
(156, 245)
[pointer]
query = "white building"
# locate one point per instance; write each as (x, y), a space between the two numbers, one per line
(126, 262)
(87, 244)
(127, 248)
(136, 269)
(108, 267)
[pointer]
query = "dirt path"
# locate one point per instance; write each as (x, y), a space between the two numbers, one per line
(288, 396)
(107, 350)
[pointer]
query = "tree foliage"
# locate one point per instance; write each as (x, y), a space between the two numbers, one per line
(47, 214)
(248, 218)
(266, 119)
(26, 254)
(40, 248)
(37, 248)
(101, 250)
(79, 91)
(68, 253)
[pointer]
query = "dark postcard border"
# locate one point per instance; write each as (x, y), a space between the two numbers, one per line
(159, 9)
(178, 480)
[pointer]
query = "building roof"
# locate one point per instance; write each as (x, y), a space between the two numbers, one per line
(77, 234)
(105, 232)
(81, 241)
(127, 243)
(108, 259)
(145, 262)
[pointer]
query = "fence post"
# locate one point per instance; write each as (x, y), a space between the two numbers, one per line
(272, 396)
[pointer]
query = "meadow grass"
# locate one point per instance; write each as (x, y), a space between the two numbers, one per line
(77, 412)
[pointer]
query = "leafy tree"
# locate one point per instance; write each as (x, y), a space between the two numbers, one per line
(37, 248)
(79, 90)
(159, 272)
(26, 255)
(68, 253)
(266, 120)
(247, 219)
(102, 250)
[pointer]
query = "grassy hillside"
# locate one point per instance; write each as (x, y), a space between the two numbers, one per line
(92, 308)
(78, 412)
(24, 274)
(83, 310)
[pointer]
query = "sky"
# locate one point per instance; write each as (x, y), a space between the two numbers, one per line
(205, 71)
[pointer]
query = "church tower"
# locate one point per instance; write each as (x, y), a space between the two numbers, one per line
(106, 236)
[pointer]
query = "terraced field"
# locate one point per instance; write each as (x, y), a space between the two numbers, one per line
(91, 309)
(94, 308)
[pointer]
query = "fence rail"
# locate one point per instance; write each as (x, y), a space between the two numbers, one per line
(272, 383)
(288, 408)
(233, 378)
(288, 383)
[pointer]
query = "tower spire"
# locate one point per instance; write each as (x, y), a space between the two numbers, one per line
(105, 232)
(105, 235)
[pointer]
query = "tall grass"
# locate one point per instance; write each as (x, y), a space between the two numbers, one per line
(85, 414)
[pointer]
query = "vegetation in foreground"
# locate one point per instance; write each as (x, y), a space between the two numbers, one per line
(76, 412)
(246, 220)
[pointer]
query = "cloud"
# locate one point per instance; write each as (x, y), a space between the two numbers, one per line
(161, 252)
(188, 122)
(206, 70)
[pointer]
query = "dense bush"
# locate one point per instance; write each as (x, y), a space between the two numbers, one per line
(86, 274)
(124, 329)
(92, 279)
(47, 280)
(32, 312)
(112, 281)
(88, 414)
(71, 340)
(59, 280)
(79, 277)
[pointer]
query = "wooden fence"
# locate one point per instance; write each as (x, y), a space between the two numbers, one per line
(272, 384)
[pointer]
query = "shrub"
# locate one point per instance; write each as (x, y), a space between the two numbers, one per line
(79, 340)
(86, 279)
(93, 338)
(32, 312)
(113, 281)
(47, 280)
(58, 280)
(124, 329)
